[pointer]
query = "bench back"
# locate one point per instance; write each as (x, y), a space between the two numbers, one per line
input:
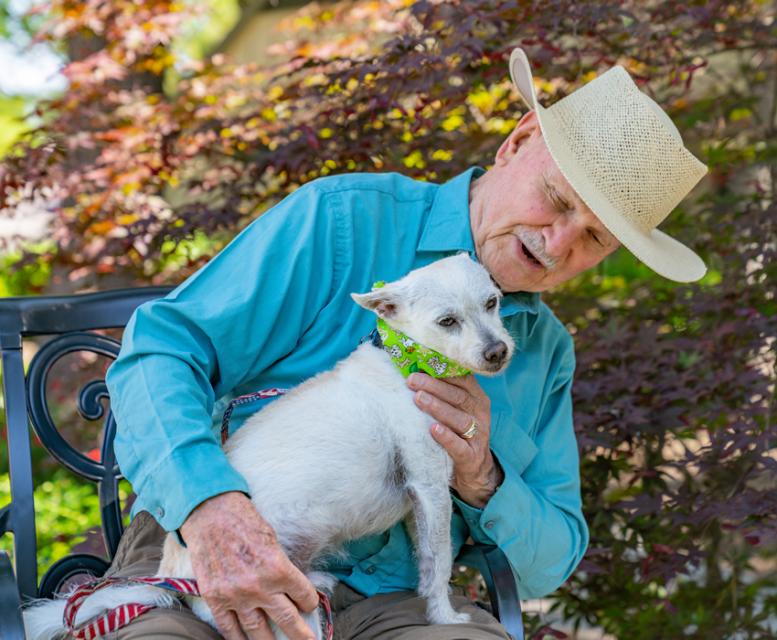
(71, 320)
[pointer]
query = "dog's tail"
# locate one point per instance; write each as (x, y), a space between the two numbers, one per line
(43, 619)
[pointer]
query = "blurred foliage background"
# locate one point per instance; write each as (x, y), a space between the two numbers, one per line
(171, 125)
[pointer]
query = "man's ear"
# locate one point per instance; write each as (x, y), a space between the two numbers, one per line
(382, 301)
(523, 130)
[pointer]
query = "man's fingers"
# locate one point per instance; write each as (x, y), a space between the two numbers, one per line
(255, 625)
(449, 440)
(441, 411)
(288, 618)
(228, 624)
(470, 385)
(301, 591)
(454, 395)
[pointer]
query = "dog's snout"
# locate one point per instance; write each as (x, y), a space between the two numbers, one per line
(495, 353)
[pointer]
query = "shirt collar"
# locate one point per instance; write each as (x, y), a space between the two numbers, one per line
(447, 226)
(448, 229)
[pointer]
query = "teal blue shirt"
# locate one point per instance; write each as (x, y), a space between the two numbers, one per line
(273, 308)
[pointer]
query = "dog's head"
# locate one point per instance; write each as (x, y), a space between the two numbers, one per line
(451, 306)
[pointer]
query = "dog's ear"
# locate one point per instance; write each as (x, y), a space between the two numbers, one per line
(382, 301)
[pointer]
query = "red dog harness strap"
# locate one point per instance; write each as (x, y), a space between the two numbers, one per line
(245, 399)
(114, 619)
(329, 628)
(120, 616)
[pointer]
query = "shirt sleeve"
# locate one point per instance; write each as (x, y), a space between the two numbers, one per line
(536, 518)
(241, 312)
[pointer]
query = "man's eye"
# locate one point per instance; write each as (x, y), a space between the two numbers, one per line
(447, 321)
(491, 304)
(596, 238)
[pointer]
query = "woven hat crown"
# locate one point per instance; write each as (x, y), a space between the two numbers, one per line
(637, 158)
(625, 159)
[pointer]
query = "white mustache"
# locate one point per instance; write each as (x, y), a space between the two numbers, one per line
(535, 243)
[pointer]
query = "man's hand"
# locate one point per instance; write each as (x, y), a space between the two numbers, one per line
(243, 573)
(454, 403)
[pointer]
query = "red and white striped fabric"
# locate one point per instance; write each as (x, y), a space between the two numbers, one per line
(122, 615)
(116, 618)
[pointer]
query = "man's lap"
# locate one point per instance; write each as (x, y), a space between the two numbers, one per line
(402, 616)
(390, 616)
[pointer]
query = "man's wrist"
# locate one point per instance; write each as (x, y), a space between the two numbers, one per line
(209, 510)
(478, 496)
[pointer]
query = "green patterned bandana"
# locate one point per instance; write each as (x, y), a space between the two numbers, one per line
(409, 356)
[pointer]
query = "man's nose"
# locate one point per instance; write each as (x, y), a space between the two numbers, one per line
(562, 235)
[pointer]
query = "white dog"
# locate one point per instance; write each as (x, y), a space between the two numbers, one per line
(361, 414)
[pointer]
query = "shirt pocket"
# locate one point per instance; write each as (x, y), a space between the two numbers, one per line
(511, 444)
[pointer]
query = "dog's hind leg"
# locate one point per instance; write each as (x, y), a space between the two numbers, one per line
(177, 563)
(432, 515)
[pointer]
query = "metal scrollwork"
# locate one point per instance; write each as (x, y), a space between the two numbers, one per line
(105, 472)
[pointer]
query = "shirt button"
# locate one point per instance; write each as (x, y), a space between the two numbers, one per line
(160, 512)
(370, 570)
(490, 524)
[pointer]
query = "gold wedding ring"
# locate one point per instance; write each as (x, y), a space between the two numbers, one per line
(473, 429)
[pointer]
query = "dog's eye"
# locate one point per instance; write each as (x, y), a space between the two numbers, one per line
(447, 321)
(491, 304)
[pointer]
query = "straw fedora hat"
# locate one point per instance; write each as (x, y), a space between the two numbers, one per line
(625, 159)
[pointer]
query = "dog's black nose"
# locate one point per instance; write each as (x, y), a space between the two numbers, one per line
(495, 353)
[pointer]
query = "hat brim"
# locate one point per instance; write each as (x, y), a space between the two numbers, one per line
(659, 251)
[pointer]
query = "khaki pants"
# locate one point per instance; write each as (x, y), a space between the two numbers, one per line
(390, 616)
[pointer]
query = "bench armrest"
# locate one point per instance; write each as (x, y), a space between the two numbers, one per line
(500, 582)
(11, 625)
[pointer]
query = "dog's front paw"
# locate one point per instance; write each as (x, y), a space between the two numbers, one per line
(460, 618)
(444, 613)
(451, 618)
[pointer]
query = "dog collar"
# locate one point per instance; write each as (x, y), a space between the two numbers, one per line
(410, 356)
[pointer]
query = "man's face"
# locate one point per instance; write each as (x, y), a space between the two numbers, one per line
(531, 230)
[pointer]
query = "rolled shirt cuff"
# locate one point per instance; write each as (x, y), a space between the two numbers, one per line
(499, 521)
(185, 479)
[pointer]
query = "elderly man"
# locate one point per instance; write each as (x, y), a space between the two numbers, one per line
(571, 183)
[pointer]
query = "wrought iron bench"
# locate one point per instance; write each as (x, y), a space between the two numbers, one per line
(71, 323)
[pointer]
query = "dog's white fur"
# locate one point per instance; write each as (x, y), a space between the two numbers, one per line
(361, 414)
